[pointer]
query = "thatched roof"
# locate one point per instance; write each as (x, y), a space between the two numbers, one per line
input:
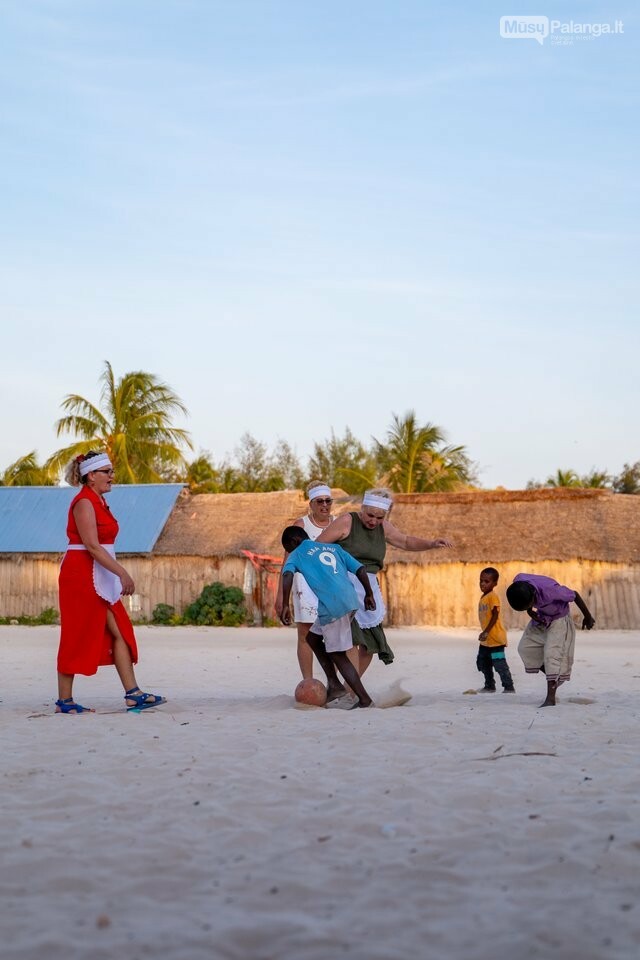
(486, 526)
(224, 524)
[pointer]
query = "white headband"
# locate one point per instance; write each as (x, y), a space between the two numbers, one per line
(95, 463)
(372, 500)
(322, 491)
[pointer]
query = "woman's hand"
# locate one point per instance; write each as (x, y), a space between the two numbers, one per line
(128, 586)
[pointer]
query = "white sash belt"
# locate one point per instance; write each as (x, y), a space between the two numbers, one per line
(369, 618)
(106, 584)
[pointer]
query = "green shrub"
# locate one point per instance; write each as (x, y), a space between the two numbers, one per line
(217, 606)
(48, 617)
(163, 613)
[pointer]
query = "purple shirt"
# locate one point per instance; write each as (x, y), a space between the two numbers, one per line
(552, 599)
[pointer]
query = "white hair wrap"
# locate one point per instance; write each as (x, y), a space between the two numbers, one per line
(322, 491)
(95, 463)
(372, 500)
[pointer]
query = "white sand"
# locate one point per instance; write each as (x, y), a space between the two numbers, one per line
(228, 824)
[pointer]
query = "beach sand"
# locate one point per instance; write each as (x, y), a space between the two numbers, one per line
(231, 824)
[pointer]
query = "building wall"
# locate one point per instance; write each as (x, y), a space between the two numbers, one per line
(28, 585)
(447, 594)
(435, 594)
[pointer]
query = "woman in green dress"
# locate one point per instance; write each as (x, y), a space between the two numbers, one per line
(365, 534)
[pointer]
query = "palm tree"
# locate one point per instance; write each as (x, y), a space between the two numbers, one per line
(133, 424)
(564, 478)
(204, 477)
(596, 479)
(201, 474)
(27, 472)
(415, 458)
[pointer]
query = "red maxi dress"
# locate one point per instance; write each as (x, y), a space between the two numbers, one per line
(85, 641)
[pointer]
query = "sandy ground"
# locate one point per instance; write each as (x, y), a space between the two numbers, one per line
(229, 824)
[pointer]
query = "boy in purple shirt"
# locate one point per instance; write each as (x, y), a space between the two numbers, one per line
(549, 638)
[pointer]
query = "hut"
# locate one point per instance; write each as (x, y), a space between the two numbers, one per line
(588, 539)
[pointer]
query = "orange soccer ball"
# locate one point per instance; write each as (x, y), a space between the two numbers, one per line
(311, 692)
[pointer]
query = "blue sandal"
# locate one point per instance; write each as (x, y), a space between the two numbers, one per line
(141, 699)
(70, 706)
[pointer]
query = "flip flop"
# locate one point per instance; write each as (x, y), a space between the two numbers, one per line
(344, 703)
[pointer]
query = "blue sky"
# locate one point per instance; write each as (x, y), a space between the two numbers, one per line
(310, 216)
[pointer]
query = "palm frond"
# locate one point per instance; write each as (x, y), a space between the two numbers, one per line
(134, 425)
(59, 460)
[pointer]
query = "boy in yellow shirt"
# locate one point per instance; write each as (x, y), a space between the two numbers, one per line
(493, 638)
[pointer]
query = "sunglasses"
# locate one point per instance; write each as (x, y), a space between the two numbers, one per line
(323, 500)
(109, 471)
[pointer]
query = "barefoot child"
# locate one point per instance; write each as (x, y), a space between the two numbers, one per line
(493, 638)
(549, 638)
(325, 567)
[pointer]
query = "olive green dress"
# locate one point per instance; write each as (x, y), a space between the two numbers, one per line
(369, 547)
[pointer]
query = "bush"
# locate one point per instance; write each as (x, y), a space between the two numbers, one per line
(48, 617)
(217, 606)
(163, 613)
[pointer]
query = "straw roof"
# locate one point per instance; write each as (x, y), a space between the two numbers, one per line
(485, 526)
(224, 524)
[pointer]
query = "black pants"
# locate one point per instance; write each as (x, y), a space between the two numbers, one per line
(490, 659)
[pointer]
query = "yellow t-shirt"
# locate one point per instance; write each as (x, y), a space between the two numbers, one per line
(498, 635)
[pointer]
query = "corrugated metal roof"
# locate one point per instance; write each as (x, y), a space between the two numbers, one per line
(34, 519)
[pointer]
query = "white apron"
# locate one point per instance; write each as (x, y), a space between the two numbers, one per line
(106, 584)
(369, 618)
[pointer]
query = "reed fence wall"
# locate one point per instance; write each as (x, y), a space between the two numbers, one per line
(434, 594)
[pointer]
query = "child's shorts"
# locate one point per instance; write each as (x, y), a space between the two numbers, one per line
(336, 635)
(305, 602)
(549, 647)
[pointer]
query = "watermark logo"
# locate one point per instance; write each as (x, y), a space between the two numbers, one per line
(525, 28)
(561, 32)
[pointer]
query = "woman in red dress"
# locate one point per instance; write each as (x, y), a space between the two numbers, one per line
(95, 628)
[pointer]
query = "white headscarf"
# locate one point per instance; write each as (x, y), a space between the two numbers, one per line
(373, 500)
(322, 490)
(94, 463)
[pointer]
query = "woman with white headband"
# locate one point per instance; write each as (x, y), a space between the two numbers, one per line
(305, 602)
(95, 629)
(365, 535)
